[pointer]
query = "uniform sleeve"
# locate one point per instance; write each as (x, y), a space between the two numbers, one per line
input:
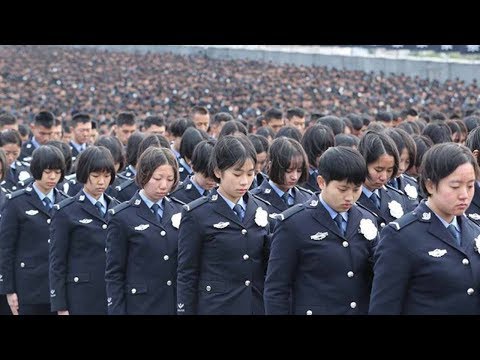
(281, 269)
(116, 268)
(392, 269)
(58, 259)
(190, 240)
(9, 232)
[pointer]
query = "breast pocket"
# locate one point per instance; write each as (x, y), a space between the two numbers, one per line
(78, 278)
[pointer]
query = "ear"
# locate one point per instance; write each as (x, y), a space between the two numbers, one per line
(217, 173)
(321, 182)
(475, 154)
(429, 186)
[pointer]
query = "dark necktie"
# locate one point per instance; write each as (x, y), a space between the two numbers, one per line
(285, 198)
(456, 235)
(239, 211)
(206, 193)
(376, 200)
(339, 221)
(155, 207)
(99, 206)
(393, 183)
(48, 203)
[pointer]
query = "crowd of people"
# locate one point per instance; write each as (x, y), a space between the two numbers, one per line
(67, 80)
(187, 207)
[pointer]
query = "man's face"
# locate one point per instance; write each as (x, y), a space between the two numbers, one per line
(42, 134)
(124, 132)
(81, 132)
(201, 121)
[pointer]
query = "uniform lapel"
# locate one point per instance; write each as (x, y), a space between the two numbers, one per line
(222, 208)
(252, 207)
(35, 201)
(143, 211)
(323, 217)
(354, 217)
(272, 197)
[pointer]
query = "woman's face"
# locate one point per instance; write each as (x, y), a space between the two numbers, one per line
(404, 162)
(453, 194)
(236, 180)
(292, 174)
(160, 184)
(12, 152)
(379, 172)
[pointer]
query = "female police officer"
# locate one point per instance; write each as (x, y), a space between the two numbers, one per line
(428, 261)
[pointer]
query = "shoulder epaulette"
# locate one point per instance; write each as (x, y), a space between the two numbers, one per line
(304, 190)
(63, 193)
(124, 185)
(15, 194)
(121, 176)
(291, 211)
(180, 186)
(119, 208)
(64, 203)
(259, 198)
(71, 176)
(408, 177)
(366, 209)
(26, 182)
(173, 198)
(405, 220)
(196, 203)
(398, 191)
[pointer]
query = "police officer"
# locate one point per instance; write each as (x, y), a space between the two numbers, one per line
(78, 235)
(25, 235)
(407, 152)
(199, 184)
(315, 141)
(142, 240)
(17, 173)
(261, 145)
(42, 129)
(381, 156)
(428, 261)
(224, 239)
(287, 166)
(322, 250)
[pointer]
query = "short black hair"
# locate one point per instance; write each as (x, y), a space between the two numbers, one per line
(80, 118)
(66, 151)
(45, 119)
(281, 154)
(163, 141)
(289, 132)
(343, 163)
(438, 132)
(178, 126)
(95, 159)
(438, 116)
(191, 137)
(295, 111)
(150, 160)
(443, 159)
(125, 118)
(272, 113)
(230, 151)
(201, 156)
(356, 120)
(197, 109)
(260, 143)
(7, 119)
(132, 147)
(148, 141)
(316, 140)
(473, 140)
(115, 146)
(222, 117)
(471, 122)
(231, 127)
(403, 140)
(384, 116)
(373, 145)
(47, 157)
(23, 130)
(346, 140)
(153, 120)
(10, 136)
(265, 131)
(334, 122)
(422, 144)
